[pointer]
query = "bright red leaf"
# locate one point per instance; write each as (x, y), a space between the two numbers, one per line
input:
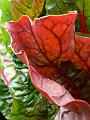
(46, 41)
(43, 45)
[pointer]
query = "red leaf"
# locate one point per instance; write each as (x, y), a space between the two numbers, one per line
(81, 56)
(52, 90)
(46, 41)
(79, 109)
(58, 95)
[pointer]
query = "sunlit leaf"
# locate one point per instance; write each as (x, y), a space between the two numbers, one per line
(32, 8)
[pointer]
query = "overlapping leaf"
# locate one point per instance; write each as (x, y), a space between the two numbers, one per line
(43, 45)
(58, 95)
(63, 6)
(46, 42)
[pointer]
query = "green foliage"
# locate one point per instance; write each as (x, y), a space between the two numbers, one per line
(5, 10)
(59, 6)
(5, 6)
(28, 103)
(22, 89)
(5, 99)
(39, 110)
(21, 101)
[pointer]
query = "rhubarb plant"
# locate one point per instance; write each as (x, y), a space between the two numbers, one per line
(56, 50)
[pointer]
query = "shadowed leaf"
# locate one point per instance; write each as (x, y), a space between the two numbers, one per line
(58, 95)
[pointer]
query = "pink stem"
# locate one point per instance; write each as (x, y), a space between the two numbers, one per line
(83, 26)
(4, 77)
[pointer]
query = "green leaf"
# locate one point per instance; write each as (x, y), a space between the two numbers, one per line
(22, 89)
(5, 99)
(18, 111)
(28, 104)
(40, 111)
(59, 6)
(1, 65)
(5, 8)
(32, 8)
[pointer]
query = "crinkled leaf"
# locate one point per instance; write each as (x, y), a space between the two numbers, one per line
(27, 101)
(32, 8)
(18, 111)
(5, 99)
(43, 47)
(46, 45)
(22, 90)
(81, 54)
(47, 41)
(58, 95)
(38, 111)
